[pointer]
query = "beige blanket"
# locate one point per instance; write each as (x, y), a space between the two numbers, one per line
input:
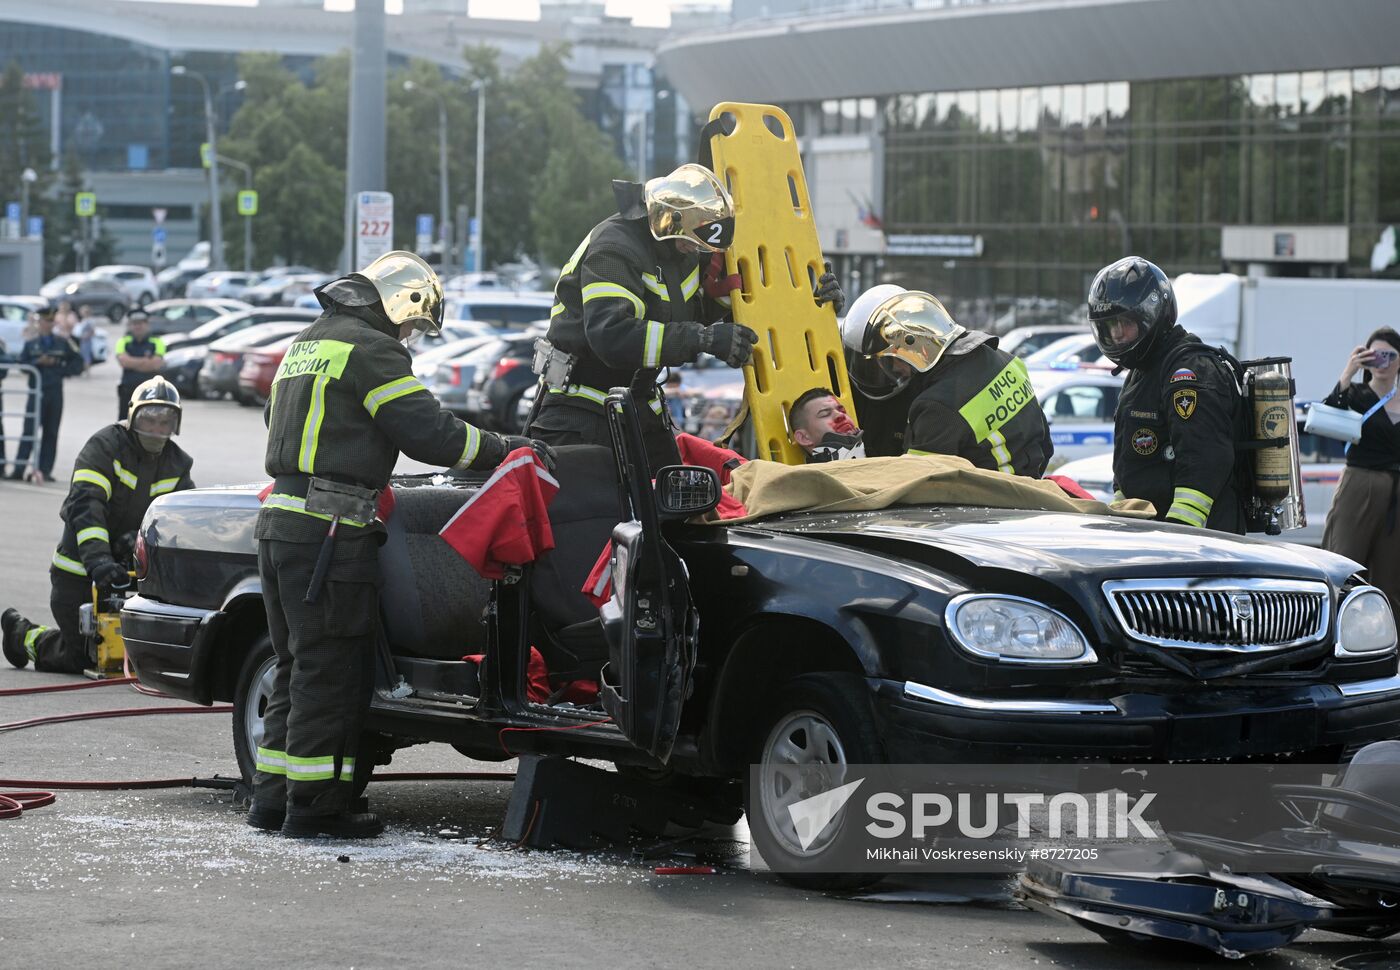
(769, 487)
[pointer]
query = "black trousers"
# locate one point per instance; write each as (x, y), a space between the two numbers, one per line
(325, 664)
(62, 649)
(570, 424)
(50, 414)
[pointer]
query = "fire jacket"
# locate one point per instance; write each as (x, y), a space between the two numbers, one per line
(1174, 435)
(344, 403)
(115, 481)
(978, 403)
(623, 303)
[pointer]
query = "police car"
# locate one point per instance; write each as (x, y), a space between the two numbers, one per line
(1079, 403)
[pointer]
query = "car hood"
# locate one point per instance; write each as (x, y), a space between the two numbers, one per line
(1052, 545)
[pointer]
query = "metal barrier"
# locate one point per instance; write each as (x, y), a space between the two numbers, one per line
(20, 380)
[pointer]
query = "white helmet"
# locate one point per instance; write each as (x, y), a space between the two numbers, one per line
(892, 332)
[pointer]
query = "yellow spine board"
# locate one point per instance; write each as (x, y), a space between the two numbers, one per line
(778, 256)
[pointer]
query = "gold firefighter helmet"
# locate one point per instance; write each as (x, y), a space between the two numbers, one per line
(408, 288)
(691, 203)
(889, 324)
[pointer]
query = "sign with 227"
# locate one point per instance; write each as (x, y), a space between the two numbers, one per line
(374, 226)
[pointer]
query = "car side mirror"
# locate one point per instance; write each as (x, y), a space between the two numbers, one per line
(685, 490)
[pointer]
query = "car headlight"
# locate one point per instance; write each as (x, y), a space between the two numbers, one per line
(1015, 630)
(1365, 624)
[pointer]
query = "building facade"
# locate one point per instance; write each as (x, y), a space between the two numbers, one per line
(1007, 195)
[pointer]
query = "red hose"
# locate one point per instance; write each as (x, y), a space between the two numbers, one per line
(120, 712)
(54, 688)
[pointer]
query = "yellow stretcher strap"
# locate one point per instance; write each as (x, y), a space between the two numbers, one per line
(778, 256)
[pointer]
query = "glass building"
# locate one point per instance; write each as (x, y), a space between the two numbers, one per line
(1010, 196)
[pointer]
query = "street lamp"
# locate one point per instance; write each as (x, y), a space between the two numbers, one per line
(444, 233)
(216, 225)
(479, 86)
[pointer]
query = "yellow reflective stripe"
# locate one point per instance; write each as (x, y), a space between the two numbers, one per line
(1197, 500)
(391, 391)
(651, 352)
(159, 346)
(126, 478)
(69, 565)
(347, 769)
(691, 283)
(1000, 401)
(164, 485)
(609, 291)
(1001, 453)
(93, 478)
(655, 286)
(580, 390)
(311, 430)
(31, 641)
(271, 762)
(1118, 495)
(294, 503)
(916, 451)
(555, 310)
(93, 533)
(1186, 514)
(323, 358)
(310, 769)
(470, 449)
(573, 260)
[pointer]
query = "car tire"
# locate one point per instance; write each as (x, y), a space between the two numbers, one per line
(250, 698)
(827, 719)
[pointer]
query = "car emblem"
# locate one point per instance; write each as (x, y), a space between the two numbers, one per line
(1242, 605)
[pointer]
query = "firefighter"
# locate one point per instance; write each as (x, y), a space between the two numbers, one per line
(1178, 415)
(633, 299)
(939, 388)
(119, 472)
(344, 403)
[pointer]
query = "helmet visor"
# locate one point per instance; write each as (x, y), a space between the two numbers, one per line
(1118, 335)
(915, 328)
(691, 203)
(160, 420)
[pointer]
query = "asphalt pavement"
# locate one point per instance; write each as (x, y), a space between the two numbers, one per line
(174, 878)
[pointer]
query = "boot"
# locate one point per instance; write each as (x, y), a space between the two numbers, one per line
(14, 628)
(346, 825)
(266, 817)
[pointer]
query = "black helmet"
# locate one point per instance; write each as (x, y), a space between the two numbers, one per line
(154, 413)
(1135, 293)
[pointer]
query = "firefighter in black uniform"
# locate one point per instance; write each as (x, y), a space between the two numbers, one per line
(939, 388)
(344, 403)
(1178, 415)
(119, 472)
(629, 302)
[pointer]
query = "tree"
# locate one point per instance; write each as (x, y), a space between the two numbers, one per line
(574, 192)
(64, 229)
(23, 139)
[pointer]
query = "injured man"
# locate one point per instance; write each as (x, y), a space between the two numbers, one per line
(821, 427)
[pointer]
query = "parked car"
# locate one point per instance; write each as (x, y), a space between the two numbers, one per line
(170, 317)
(807, 637)
(222, 364)
(185, 356)
(1080, 404)
(1076, 350)
(459, 380)
(174, 279)
(1024, 341)
(283, 290)
(197, 258)
(259, 368)
(1322, 461)
(15, 326)
(106, 298)
(138, 282)
(222, 284)
(504, 384)
(489, 311)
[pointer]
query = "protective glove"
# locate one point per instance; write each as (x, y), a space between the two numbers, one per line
(730, 342)
(829, 290)
(542, 451)
(108, 573)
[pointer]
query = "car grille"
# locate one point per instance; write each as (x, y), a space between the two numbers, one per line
(1232, 615)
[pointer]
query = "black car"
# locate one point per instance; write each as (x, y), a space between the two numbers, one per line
(913, 634)
(183, 317)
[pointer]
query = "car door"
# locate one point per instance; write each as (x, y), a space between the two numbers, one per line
(1081, 419)
(650, 621)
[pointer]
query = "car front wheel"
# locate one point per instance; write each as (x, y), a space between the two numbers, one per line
(822, 725)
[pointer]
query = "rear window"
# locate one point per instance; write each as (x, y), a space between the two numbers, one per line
(509, 315)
